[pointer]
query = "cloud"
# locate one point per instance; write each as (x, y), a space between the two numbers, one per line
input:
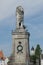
(38, 31)
(6, 48)
(36, 34)
(35, 27)
(31, 7)
(33, 19)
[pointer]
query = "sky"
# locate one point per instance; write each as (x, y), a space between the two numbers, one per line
(33, 19)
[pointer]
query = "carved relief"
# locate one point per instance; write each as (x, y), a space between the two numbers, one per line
(20, 13)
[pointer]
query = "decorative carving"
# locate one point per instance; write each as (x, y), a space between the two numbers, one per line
(19, 48)
(20, 13)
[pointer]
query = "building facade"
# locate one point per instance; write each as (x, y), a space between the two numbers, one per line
(42, 59)
(3, 60)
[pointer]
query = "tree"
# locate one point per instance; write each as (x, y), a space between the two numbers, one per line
(36, 55)
(32, 56)
(38, 52)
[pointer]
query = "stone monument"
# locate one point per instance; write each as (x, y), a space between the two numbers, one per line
(20, 41)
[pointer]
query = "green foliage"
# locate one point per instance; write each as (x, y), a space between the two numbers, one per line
(33, 59)
(38, 51)
(36, 55)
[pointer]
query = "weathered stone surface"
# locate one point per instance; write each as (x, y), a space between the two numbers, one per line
(20, 41)
(19, 17)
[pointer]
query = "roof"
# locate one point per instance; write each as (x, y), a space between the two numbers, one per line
(32, 48)
(2, 55)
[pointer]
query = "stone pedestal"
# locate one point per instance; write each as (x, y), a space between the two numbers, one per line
(20, 41)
